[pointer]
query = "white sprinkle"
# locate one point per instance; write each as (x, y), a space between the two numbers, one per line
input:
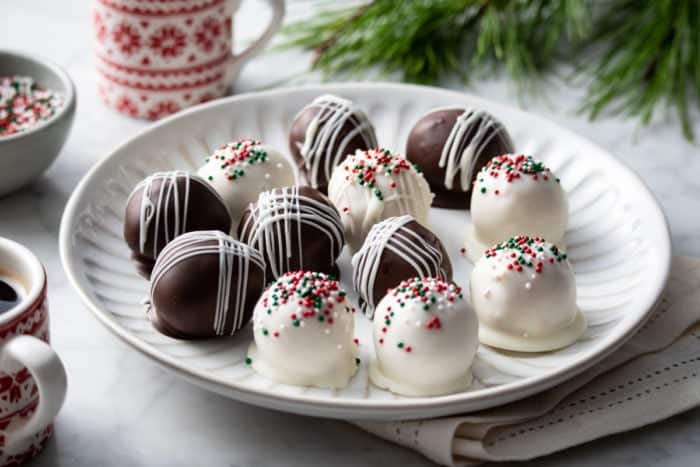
(533, 277)
(279, 165)
(441, 307)
(327, 331)
(281, 326)
(528, 285)
(268, 176)
(418, 324)
(340, 347)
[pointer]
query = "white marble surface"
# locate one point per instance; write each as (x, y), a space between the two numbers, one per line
(122, 409)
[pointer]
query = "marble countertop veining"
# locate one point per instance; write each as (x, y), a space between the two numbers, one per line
(122, 409)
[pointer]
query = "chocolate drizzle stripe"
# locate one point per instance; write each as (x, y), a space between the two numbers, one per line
(323, 131)
(168, 195)
(460, 154)
(277, 212)
(391, 234)
(200, 243)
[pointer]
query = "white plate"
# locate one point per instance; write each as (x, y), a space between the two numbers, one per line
(618, 242)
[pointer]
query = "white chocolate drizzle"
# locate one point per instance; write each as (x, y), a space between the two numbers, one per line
(393, 235)
(322, 142)
(155, 206)
(235, 259)
(460, 154)
(276, 214)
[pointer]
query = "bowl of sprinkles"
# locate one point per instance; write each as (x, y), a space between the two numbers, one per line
(37, 105)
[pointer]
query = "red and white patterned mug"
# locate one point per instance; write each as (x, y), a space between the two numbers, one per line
(32, 378)
(155, 57)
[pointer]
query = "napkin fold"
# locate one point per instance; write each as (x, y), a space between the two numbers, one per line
(653, 376)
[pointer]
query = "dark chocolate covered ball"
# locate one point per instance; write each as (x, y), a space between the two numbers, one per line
(396, 249)
(324, 133)
(295, 228)
(451, 146)
(165, 205)
(205, 284)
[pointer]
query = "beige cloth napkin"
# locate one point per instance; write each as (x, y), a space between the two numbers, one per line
(652, 377)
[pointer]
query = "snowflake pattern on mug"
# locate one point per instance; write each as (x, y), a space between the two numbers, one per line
(18, 392)
(168, 42)
(208, 33)
(155, 58)
(126, 38)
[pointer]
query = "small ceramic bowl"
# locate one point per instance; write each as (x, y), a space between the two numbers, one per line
(24, 156)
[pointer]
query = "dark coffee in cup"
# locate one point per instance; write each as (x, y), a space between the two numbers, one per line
(11, 291)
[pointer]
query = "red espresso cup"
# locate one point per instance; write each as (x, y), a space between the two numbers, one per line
(32, 378)
(155, 57)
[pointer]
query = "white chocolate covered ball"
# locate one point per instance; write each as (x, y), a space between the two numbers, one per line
(239, 171)
(515, 195)
(425, 338)
(370, 186)
(303, 326)
(524, 293)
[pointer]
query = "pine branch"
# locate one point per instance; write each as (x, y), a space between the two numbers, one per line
(428, 41)
(642, 54)
(650, 58)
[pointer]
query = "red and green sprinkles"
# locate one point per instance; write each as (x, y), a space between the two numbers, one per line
(234, 158)
(511, 168)
(376, 162)
(315, 294)
(523, 252)
(431, 294)
(24, 105)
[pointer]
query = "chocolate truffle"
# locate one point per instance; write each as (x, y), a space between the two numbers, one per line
(515, 195)
(242, 169)
(425, 339)
(323, 133)
(396, 249)
(295, 228)
(165, 205)
(304, 331)
(524, 294)
(376, 184)
(452, 145)
(205, 284)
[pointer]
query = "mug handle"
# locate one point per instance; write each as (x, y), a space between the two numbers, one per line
(49, 375)
(275, 24)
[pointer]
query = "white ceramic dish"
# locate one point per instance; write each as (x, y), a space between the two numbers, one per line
(618, 242)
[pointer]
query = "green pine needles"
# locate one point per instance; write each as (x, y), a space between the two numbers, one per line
(642, 53)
